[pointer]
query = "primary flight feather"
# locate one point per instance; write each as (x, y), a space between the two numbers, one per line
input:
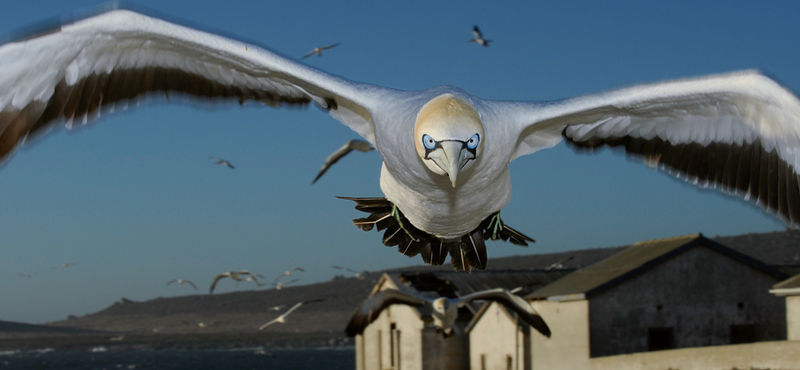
(445, 152)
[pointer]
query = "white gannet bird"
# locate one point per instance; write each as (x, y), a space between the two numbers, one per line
(360, 145)
(282, 318)
(222, 162)
(236, 276)
(181, 282)
(318, 50)
(479, 37)
(446, 153)
(445, 310)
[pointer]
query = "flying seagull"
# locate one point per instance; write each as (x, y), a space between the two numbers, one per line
(318, 50)
(356, 274)
(181, 282)
(236, 276)
(360, 145)
(282, 318)
(446, 153)
(222, 162)
(279, 285)
(445, 310)
(479, 37)
(64, 265)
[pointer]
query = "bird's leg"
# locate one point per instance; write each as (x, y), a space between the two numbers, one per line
(495, 225)
(397, 216)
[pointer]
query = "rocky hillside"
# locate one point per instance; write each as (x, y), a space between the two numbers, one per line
(232, 319)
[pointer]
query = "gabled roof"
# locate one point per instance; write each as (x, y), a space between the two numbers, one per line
(454, 284)
(789, 286)
(633, 261)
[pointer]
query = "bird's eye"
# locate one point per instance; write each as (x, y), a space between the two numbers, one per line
(473, 141)
(428, 141)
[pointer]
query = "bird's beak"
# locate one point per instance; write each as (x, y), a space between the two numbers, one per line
(450, 158)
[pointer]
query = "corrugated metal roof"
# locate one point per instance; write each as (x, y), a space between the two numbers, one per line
(631, 262)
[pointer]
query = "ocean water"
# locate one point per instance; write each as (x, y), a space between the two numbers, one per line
(239, 359)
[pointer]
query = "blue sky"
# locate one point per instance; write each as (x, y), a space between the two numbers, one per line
(136, 201)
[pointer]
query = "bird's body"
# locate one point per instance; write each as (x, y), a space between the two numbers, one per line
(445, 152)
(445, 310)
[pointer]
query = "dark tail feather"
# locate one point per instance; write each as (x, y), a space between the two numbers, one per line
(475, 249)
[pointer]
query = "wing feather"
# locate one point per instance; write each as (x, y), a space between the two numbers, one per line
(738, 133)
(525, 311)
(73, 73)
(371, 308)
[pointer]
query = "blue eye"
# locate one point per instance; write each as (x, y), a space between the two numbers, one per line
(428, 142)
(473, 141)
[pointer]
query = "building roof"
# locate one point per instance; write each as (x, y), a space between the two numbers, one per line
(790, 286)
(633, 261)
(455, 284)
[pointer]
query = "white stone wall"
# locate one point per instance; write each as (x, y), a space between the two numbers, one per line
(494, 339)
(568, 347)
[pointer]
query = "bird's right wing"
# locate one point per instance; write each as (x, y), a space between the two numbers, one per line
(370, 309)
(736, 132)
(525, 311)
(76, 72)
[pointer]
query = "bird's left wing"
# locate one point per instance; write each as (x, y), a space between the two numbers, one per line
(513, 302)
(370, 309)
(94, 65)
(737, 132)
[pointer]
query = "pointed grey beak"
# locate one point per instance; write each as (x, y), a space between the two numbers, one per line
(450, 159)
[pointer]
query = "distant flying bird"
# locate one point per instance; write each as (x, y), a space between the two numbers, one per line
(318, 50)
(356, 274)
(222, 162)
(181, 282)
(479, 37)
(65, 265)
(280, 285)
(360, 145)
(445, 310)
(558, 265)
(26, 275)
(282, 318)
(235, 275)
(446, 153)
(276, 308)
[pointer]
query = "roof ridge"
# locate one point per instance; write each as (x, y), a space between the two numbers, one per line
(668, 239)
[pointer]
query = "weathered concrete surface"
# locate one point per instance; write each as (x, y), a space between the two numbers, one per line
(784, 355)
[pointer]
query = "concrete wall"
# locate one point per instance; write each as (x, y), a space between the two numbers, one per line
(793, 317)
(783, 355)
(699, 293)
(568, 347)
(376, 352)
(494, 340)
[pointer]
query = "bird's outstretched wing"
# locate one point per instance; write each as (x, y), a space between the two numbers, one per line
(371, 308)
(513, 302)
(737, 132)
(360, 145)
(214, 283)
(111, 60)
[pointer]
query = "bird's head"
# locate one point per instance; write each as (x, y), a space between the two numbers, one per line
(448, 135)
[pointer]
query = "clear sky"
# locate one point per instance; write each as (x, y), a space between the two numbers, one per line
(136, 200)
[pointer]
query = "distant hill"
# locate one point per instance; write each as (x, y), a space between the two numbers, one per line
(231, 319)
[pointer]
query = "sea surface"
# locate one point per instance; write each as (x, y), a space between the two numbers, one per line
(230, 359)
